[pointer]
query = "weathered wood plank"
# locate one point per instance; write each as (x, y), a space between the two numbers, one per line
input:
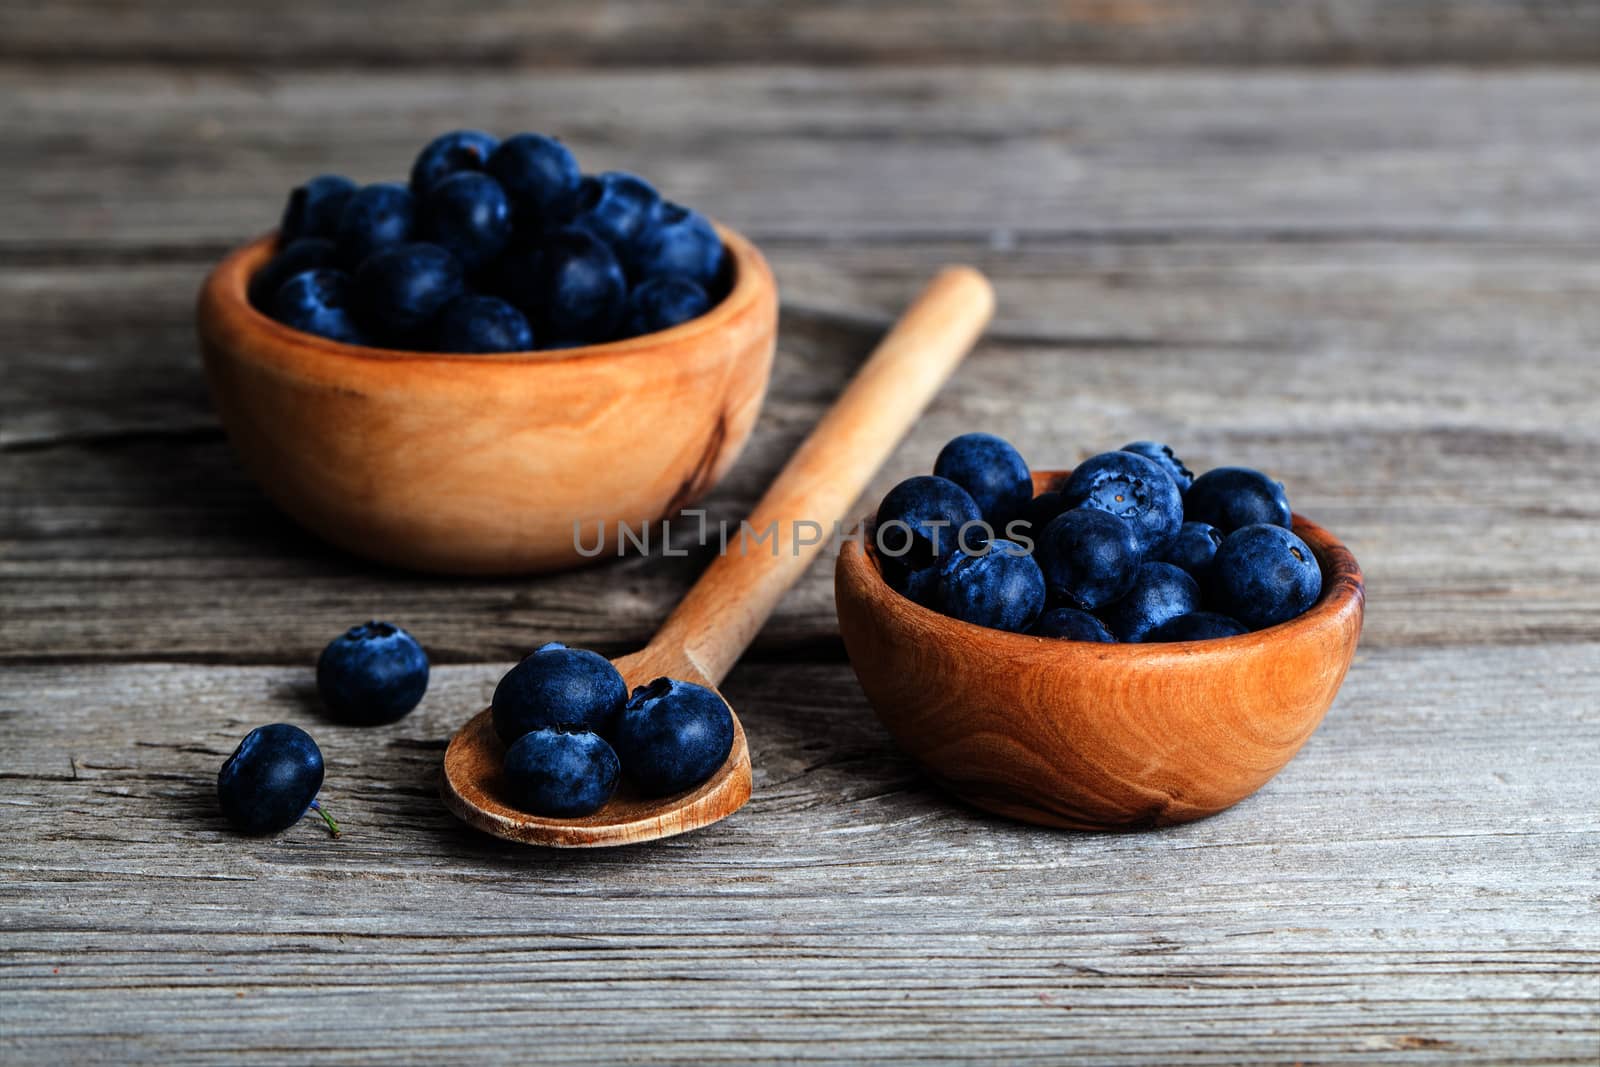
(1420, 883)
(1433, 405)
(101, 162)
(501, 33)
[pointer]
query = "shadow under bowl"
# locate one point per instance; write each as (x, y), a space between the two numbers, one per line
(1092, 736)
(487, 464)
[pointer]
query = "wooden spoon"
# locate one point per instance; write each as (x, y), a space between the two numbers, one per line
(703, 638)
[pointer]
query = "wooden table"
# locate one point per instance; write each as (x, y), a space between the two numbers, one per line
(1256, 230)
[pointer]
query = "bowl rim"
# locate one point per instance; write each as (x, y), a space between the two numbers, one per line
(1343, 593)
(225, 291)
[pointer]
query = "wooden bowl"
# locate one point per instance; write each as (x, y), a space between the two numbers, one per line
(482, 464)
(1090, 736)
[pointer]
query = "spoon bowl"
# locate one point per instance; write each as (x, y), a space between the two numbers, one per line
(1093, 736)
(708, 631)
(507, 463)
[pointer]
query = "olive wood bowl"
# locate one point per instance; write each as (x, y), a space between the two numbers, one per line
(1094, 736)
(483, 464)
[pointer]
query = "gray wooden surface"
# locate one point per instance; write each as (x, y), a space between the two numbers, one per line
(1378, 281)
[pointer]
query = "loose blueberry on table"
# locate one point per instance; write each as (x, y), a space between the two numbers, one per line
(492, 246)
(572, 729)
(1132, 547)
(271, 780)
(371, 674)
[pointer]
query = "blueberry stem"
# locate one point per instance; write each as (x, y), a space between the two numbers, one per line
(333, 827)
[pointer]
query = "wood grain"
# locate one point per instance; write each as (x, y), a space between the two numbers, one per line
(850, 913)
(504, 34)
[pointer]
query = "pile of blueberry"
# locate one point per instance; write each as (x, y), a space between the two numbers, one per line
(573, 731)
(1132, 547)
(566, 716)
(494, 246)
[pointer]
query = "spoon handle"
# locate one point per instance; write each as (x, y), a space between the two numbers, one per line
(727, 607)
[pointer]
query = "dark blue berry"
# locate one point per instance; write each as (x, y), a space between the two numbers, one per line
(476, 323)
(572, 288)
(1231, 497)
(662, 303)
(306, 253)
(314, 208)
(1037, 514)
(399, 289)
(1194, 548)
(372, 673)
(616, 207)
(1070, 624)
(919, 523)
(678, 241)
(270, 780)
(1088, 557)
(1196, 626)
(1161, 593)
(561, 772)
(468, 215)
(991, 471)
(376, 216)
(1163, 456)
(318, 301)
(1264, 575)
(1001, 587)
(556, 685)
(451, 153)
(672, 736)
(1135, 490)
(539, 175)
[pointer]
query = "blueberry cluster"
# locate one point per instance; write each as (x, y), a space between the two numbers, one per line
(573, 731)
(1132, 547)
(493, 246)
(371, 674)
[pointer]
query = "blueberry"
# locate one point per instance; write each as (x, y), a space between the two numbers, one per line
(1001, 588)
(1231, 497)
(1088, 557)
(271, 779)
(678, 241)
(561, 772)
(1161, 593)
(1264, 575)
(556, 685)
(616, 207)
(399, 289)
(306, 253)
(1133, 489)
(1163, 456)
(1194, 548)
(451, 153)
(539, 175)
(375, 217)
(318, 301)
(1037, 514)
(477, 323)
(672, 736)
(572, 287)
(1070, 624)
(919, 523)
(1197, 626)
(372, 673)
(314, 208)
(662, 303)
(991, 471)
(468, 215)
